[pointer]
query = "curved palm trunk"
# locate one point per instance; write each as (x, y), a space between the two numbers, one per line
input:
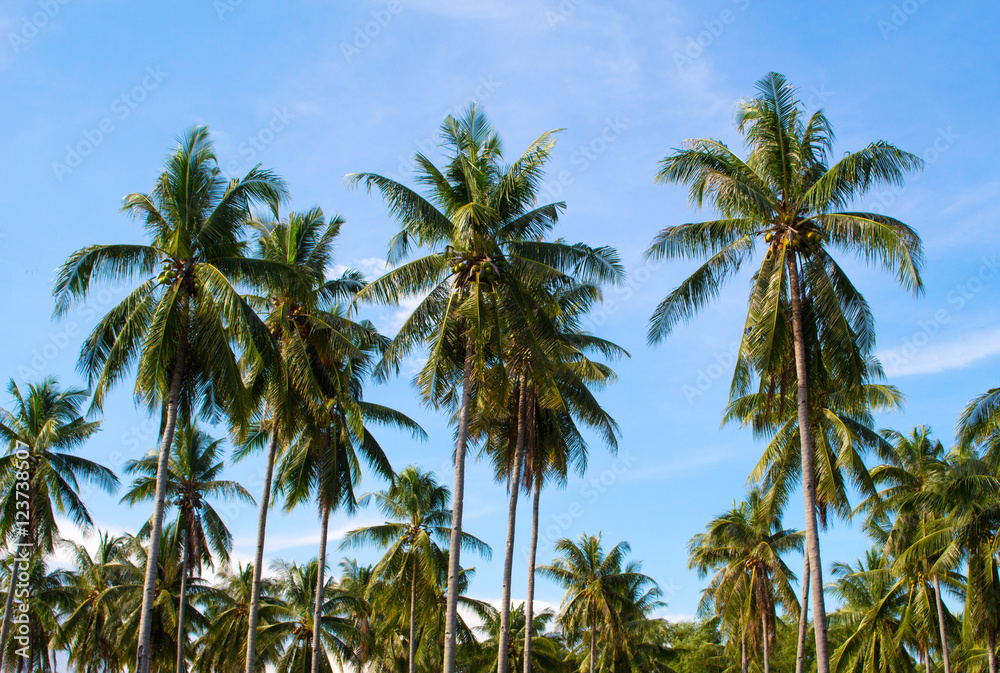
(800, 651)
(941, 630)
(11, 590)
(808, 476)
(413, 616)
(317, 649)
(143, 653)
(185, 564)
(508, 559)
(265, 501)
(529, 606)
(455, 546)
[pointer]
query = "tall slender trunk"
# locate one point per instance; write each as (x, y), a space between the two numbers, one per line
(767, 644)
(508, 559)
(455, 546)
(317, 645)
(800, 651)
(185, 564)
(808, 476)
(11, 591)
(927, 659)
(529, 606)
(941, 630)
(413, 615)
(991, 650)
(593, 640)
(265, 502)
(743, 654)
(143, 652)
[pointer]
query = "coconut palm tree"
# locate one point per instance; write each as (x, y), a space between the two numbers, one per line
(39, 474)
(179, 326)
(418, 519)
(598, 587)
(297, 587)
(546, 655)
(88, 632)
(745, 547)
(222, 646)
(483, 227)
(910, 479)
(192, 478)
(872, 618)
(312, 335)
(843, 435)
(786, 196)
(33, 648)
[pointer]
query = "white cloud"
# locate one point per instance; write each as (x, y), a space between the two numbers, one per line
(910, 359)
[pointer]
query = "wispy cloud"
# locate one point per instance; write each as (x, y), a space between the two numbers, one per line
(942, 357)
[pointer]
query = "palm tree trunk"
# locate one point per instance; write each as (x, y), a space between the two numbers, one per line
(413, 616)
(767, 644)
(317, 648)
(941, 630)
(455, 546)
(808, 476)
(508, 559)
(991, 650)
(265, 501)
(743, 654)
(181, 664)
(800, 651)
(927, 659)
(143, 653)
(529, 606)
(11, 591)
(593, 640)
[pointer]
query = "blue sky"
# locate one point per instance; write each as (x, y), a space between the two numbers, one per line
(95, 94)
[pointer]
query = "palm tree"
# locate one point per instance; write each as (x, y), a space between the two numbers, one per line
(483, 657)
(179, 325)
(297, 587)
(786, 195)
(910, 479)
(872, 618)
(32, 649)
(843, 434)
(417, 521)
(598, 588)
(222, 647)
(745, 547)
(192, 477)
(39, 470)
(483, 227)
(310, 332)
(549, 394)
(88, 631)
